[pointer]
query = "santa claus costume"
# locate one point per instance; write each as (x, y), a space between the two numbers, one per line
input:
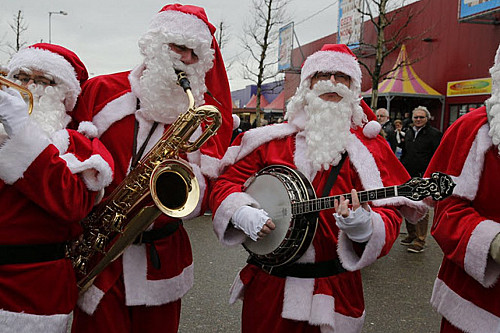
(50, 178)
(467, 289)
(331, 303)
(123, 109)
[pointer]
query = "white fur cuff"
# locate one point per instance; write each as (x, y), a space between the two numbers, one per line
(226, 234)
(17, 153)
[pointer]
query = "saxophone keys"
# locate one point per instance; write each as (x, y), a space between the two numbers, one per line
(100, 243)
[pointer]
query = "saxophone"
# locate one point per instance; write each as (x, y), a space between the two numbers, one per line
(116, 222)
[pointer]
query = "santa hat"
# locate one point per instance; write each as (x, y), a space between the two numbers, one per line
(57, 61)
(333, 58)
(184, 25)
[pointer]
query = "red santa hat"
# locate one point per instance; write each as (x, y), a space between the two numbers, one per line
(62, 64)
(333, 58)
(184, 25)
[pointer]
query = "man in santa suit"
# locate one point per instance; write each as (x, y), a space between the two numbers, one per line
(467, 225)
(142, 290)
(322, 291)
(50, 178)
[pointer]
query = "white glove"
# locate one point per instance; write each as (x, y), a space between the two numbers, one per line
(495, 248)
(13, 110)
(357, 225)
(250, 220)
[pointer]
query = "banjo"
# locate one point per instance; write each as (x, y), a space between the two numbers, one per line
(290, 200)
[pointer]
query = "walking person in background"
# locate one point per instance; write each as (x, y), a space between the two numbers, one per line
(50, 178)
(467, 225)
(141, 291)
(421, 141)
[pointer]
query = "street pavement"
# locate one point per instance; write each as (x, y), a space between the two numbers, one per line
(397, 287)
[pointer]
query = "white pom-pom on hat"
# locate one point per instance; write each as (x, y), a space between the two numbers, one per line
(372, 129)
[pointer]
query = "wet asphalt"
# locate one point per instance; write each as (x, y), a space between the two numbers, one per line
(397, 287)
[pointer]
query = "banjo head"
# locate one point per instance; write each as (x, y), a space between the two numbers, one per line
(272, 196)
(276, 188)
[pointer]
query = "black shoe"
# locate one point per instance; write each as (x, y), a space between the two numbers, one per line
(407, 241)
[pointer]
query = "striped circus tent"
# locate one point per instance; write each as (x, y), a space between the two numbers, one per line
(403, 81)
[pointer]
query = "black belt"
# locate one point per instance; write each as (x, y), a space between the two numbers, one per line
(32, 253)
(156, 234)
(149, 237)
(303, 270)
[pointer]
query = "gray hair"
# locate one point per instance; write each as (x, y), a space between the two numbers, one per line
(384, 111)
(422, 108)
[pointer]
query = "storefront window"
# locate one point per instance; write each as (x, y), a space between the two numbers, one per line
(458, 110)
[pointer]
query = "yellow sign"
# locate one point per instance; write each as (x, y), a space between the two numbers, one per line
(469, 87)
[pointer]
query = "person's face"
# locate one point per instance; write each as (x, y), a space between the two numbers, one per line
(398, 126)
(188, 56)
(382, 117)
(337, 77)
(419, 118)
(36, 77)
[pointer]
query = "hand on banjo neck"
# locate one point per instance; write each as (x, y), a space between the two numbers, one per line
(341, 207)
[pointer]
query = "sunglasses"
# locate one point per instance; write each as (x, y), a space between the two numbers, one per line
(419, 117)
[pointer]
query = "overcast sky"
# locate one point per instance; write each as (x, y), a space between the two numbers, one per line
(104, 33)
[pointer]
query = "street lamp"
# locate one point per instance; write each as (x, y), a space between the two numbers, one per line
(62, 12)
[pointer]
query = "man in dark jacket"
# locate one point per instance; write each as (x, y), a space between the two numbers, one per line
(387, 127)
(421, 141)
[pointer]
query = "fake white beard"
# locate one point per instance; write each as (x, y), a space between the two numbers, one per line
(162, 99)
(49, 110)
(327, 129)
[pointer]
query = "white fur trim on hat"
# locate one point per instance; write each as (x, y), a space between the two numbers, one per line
(182, 24)
(49, 63)
(372, 129)
(331, 61)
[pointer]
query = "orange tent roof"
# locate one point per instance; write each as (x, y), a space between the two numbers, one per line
(278, 103)
(252, 103)
(404, 80)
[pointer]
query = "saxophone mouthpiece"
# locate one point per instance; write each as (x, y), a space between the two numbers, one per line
(182, 80)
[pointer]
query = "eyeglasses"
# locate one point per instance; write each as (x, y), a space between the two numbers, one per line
(419, 117)
(38, 80)
(381, 116)
(339, 77)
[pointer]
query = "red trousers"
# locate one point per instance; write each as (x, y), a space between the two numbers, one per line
(262, 313)
(113, 316)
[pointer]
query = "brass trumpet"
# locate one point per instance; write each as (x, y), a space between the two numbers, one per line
(25, 92)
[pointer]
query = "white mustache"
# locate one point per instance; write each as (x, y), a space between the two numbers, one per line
(326, 87)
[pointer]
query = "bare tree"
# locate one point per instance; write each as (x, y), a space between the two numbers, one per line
(18, 27)
(222, 37)
(385, 45)
(260, 40)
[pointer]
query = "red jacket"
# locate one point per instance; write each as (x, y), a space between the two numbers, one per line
(47, 185)
(466, 291)
(336, 301)
(112, 103)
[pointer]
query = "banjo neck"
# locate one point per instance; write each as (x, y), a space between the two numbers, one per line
(439, 186)
(316, 205)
